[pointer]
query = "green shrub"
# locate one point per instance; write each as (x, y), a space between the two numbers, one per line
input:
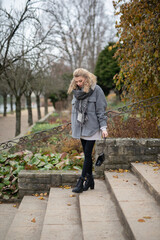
(43, 126)
(12, 164)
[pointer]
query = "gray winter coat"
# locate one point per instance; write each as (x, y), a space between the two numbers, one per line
(95, 112)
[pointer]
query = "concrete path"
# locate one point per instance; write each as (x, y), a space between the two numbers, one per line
(62, 220)
(133, 215)
(138, 210)
(98, 214)
(149, 175)
(28, 221)
(7, 214)
(7, 124)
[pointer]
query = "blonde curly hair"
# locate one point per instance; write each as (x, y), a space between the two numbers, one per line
(90, 79)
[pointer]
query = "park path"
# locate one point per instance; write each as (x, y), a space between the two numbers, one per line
(8, 123)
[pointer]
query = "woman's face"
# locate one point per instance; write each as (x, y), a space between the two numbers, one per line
(79, 81)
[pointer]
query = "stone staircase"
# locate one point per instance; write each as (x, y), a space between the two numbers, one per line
(125, 205)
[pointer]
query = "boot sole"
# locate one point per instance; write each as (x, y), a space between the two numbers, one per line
(78, 191)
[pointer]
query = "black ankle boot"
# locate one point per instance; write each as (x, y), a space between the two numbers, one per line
(79, 186)
(89, 183)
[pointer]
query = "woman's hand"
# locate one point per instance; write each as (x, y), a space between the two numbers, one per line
(104, 133)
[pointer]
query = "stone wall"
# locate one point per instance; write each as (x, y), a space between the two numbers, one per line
(120, 152)
(35, 181)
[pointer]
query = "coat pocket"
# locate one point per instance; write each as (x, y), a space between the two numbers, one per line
(91, 104)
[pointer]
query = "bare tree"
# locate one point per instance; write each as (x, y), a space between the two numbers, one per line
(22, 35)
(4, 91)
(38, 86)
(28, 93)
(79, 30)
(32, 82)
(17, 77)
(14, 27)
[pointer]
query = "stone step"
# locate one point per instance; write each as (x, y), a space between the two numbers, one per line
(62, 219)
(138, 210)
(149, 175)
(28, 221)
(7, 214)
(98, 214)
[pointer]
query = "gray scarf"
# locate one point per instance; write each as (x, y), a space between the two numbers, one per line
(81, 104)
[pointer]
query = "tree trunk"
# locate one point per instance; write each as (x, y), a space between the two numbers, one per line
(38, 106)
(46, 104)
(29, 108)
(4, 104)
(11, 103)
(18, 116)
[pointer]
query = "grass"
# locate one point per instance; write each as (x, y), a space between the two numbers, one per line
(43, 126)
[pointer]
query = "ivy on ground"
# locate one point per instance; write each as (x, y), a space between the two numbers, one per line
(12, 164)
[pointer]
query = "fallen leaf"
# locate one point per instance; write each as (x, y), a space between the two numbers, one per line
(33, 220)
(67, 187)
(41, 198)
(120, 170)
(72, 195)
(147, 217)
(141, 220)
(134, 183)
(68, 204)
(115, 176)
(15, 205)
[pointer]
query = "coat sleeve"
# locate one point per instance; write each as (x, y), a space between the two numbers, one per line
(101, 105)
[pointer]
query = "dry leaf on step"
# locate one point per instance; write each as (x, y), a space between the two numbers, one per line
(141, 220)
(41, 198)
(33, 220)
(147, 217)
(115, 176)
(72, 195)
(67, 187)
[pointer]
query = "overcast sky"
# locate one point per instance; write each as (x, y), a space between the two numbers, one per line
(20, 3)
(13, 3)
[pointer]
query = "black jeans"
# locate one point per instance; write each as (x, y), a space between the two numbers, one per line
(87, 149)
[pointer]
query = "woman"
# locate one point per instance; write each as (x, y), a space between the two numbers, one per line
(88, 120)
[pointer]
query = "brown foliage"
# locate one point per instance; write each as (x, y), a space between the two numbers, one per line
(138, 48)
(133, 127)
(69, 144)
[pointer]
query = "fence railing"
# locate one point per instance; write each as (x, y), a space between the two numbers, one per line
(135, 107)
(35, 138)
